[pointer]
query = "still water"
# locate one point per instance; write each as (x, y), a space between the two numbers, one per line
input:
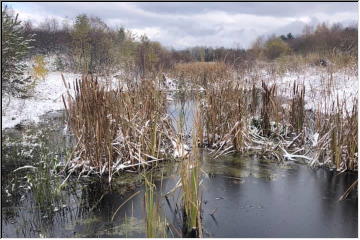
(242, 196)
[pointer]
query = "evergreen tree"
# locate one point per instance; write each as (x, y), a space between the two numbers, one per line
(14, 47)
(81, 43)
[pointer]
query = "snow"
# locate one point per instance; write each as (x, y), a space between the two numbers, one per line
(321, 86)
(46, 98)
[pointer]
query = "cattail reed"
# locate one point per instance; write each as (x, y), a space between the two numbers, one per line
(114, 127)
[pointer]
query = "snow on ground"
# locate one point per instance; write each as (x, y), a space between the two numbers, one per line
(46, 98)
(322, 87)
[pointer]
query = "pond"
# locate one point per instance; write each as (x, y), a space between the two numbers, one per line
(242, 196)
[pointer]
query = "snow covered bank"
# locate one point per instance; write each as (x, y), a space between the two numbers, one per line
(46, 98)
(322, 87)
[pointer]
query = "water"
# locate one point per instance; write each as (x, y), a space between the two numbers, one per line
(243, 196)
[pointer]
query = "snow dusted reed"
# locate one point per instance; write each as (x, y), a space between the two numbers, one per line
(118, 130)
(263, 116)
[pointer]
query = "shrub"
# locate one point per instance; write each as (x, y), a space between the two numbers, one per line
(39, 70)
(275, 48)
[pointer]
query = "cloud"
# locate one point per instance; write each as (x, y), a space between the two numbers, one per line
(186, 24)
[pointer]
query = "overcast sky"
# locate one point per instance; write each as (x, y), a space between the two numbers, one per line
(185, 24)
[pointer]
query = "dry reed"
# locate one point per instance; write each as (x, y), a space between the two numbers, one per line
(118, 129)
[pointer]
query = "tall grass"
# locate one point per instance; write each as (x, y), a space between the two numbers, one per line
(191, 196)
(268, 106)
(224, 115)
(343, 136)
(297, 113)
(155, 225)
(284, 128)
(190, 178)
(203, 74)
(115, 128)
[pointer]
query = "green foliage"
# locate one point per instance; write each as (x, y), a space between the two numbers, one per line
(275, 48)
(15, 47)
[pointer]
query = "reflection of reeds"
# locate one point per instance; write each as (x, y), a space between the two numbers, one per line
(349, 190)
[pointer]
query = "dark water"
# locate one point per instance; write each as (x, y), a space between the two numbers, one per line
(248, 196)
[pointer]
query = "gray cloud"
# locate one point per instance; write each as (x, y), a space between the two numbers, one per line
(285, 9)
(187, 24)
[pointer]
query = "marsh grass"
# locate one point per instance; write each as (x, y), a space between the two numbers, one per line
(191, 197)
(224, 115)
(43, 182)
(297, 112)
(268, 108)
(190, 177)
(236, 117)
(155, 224)
(118, 129)
(203, 74)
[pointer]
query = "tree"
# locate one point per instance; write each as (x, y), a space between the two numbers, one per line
(81, 43)
(257, 47)
(15, 46)
(121, 35)
(289, 36)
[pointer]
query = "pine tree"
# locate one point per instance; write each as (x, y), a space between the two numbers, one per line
(81, 43)
(14, 46)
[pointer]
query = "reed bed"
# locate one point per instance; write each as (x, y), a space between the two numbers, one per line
(336, 137)
(237, 119)
(224, 116)
(202, 74)
(116, 129)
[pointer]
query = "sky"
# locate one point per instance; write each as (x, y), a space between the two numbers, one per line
(186, 24)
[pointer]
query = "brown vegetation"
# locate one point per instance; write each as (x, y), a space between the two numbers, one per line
(116, 129)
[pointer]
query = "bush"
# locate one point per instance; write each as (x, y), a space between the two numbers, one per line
(275, 48)
(39, 70)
